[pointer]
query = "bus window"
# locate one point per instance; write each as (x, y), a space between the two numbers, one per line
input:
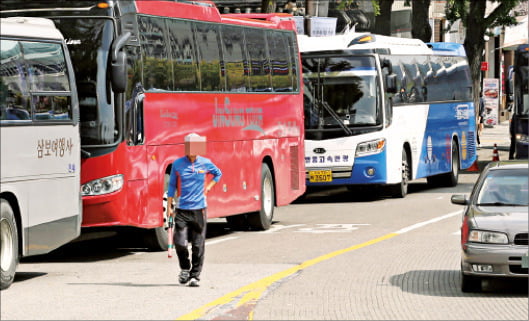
(279, 54)
(14, 102)
(183, 55)
(209, 62)
(234, 58)
(157, 75)
(259, 64)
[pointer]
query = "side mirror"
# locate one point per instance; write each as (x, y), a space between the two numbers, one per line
(459, 199)
(391, 83)
(118, 64)
(386, 63)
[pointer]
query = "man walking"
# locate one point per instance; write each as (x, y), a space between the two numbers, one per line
(188, 176)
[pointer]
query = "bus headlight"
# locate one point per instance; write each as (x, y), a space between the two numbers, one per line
(370, 148)
(102, 186)
(522, 138)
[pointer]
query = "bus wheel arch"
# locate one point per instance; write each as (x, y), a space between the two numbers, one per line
(262, 219)
(10, 243)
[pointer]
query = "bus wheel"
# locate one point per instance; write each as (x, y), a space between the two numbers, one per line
(451, 179)
(401, 190)
(9, 245)
(156, 238)
(262, 219)
(238, 222)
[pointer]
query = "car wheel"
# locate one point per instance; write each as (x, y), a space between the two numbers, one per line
(470, 283)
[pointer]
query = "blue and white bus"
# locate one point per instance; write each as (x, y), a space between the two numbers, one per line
(382, 111)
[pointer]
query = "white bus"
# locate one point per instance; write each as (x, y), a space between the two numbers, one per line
(382, 111)
(40, 144)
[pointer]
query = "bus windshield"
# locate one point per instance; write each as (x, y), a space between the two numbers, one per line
(89, 41)
(341, 92)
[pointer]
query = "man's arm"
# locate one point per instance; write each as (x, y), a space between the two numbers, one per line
(217, 174)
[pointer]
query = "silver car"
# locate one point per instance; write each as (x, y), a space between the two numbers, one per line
(495, 225)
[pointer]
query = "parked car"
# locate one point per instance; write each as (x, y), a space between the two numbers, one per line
(495, 224)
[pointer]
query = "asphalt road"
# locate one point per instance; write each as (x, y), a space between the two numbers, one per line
(331, 255)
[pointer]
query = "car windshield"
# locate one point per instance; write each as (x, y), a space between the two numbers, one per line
(504, 188)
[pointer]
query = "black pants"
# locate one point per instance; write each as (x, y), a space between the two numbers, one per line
(190, 225)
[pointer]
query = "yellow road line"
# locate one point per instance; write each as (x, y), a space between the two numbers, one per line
(252, 292)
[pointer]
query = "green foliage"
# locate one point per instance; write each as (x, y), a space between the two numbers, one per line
(460, 9)
(349, 3)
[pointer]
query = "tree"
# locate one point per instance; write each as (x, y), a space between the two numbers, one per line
(420, 27)
(268, 6)
(383, 19)
(473, 16)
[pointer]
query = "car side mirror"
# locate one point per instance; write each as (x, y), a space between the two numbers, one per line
(459, 199)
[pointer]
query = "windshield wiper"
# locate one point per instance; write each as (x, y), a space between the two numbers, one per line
(336, 117)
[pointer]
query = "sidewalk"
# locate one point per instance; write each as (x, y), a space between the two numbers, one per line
(499, 135)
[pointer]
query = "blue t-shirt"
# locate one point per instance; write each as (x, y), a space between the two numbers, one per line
(189, 179)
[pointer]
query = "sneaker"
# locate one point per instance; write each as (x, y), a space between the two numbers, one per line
(184, 277)
(193, 282)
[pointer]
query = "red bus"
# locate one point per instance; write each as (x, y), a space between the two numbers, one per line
(150, 72)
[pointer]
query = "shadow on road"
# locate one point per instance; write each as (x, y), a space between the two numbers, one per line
(344, 194)
(447, 283)
(110, 243)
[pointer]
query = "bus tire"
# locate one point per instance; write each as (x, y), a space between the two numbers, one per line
(156, 238)
(262, 219)
(9, 245)
(400, 190)
(237, 222)
(450, 179)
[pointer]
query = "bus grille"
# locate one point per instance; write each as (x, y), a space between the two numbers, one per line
(294, 167)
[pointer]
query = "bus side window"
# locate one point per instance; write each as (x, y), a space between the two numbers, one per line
(294, 62)
(157, 76)
(183, 55)
(14, 99)
(208, 46)
(236, 63)
(281, 70)
(48, 72)
(259, 72)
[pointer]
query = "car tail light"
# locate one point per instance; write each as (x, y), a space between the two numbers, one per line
(464, 233)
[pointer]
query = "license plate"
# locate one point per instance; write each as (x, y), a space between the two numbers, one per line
(525, 261)
(320, 176)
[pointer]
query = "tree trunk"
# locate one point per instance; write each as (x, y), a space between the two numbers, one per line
(268, 6)
(383, 21)
(420, 27)
(474, 43)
